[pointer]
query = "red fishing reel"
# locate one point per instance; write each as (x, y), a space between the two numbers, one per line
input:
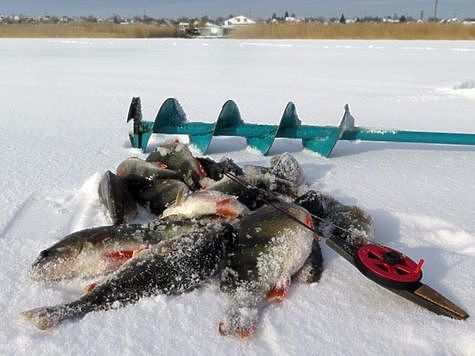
(388, 267)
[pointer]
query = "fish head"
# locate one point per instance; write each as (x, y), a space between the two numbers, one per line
(55, 263)
(177, 156)
(286, 167)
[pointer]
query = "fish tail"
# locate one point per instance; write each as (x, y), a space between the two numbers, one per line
(45, 318)
(240, 321)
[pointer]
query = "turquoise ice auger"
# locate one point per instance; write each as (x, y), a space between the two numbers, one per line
(171, 119)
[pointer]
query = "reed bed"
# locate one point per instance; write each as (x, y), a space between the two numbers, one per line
(389, 31)
(87, 30)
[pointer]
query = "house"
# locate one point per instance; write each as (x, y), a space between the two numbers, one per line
(238, 21)
(293, 19)
(210, 30)
(183, 26)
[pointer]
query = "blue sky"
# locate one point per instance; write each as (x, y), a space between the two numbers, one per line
(254, 8)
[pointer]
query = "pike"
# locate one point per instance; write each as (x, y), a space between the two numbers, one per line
(383, 265)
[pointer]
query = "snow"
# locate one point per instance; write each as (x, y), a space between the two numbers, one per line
(64, 108)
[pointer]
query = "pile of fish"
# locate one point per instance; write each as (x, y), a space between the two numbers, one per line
(254, 229)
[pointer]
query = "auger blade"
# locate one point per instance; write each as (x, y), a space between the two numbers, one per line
(135, 110)
(229, 117)
(170, 114)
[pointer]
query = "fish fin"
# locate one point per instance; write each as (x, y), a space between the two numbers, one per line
(243, 333)
(223, 208)
(280, 291)
(159, 165)
(44, 318)
(180, 197)
(124, 255)
(312, 269)
(246, 333)
(120, 255)
(201, 171)
(240, 321)
(140, 250)
(90, 287)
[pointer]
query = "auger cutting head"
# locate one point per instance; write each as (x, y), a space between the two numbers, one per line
(171, 119)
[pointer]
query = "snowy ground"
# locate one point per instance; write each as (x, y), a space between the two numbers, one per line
(63, 108)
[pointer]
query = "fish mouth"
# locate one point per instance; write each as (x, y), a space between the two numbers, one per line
(51, 270)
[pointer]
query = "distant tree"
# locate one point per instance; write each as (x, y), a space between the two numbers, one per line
(292, 15)
(402, 18)
(116, 18)
(274, 16)
(286, 14)
(342, 19)
(204, 19)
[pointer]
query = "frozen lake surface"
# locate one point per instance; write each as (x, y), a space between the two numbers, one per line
(63, 113)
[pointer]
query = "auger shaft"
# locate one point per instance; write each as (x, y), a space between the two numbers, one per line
(409, 136)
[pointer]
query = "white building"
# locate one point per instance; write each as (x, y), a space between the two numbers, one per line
(210, 30)
(238, 21)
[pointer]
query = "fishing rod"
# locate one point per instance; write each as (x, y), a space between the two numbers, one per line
(383, 265)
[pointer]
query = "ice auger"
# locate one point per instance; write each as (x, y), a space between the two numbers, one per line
(171, 119)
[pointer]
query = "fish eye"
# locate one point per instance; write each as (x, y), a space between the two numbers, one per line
(44, 253)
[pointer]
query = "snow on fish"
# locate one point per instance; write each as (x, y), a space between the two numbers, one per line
(270, 247)
(173, 266)
(101, 250)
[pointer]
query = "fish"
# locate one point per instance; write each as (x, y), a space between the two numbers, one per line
(286, 167)
(141, 168)
(270, 247)
(206, 202)
(114, 195)
(263, 178)
(348, 226)
(284, 176)
(252, 197)
(101, 250)
(172, 267)
(161, 193)
(178, 157)
(215, 170)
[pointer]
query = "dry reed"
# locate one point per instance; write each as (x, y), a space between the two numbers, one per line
(390, 31)
(87, 30)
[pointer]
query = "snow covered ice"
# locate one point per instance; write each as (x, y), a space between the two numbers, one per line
(63, 112)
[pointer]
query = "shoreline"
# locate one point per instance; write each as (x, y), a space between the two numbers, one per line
(302, 31)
